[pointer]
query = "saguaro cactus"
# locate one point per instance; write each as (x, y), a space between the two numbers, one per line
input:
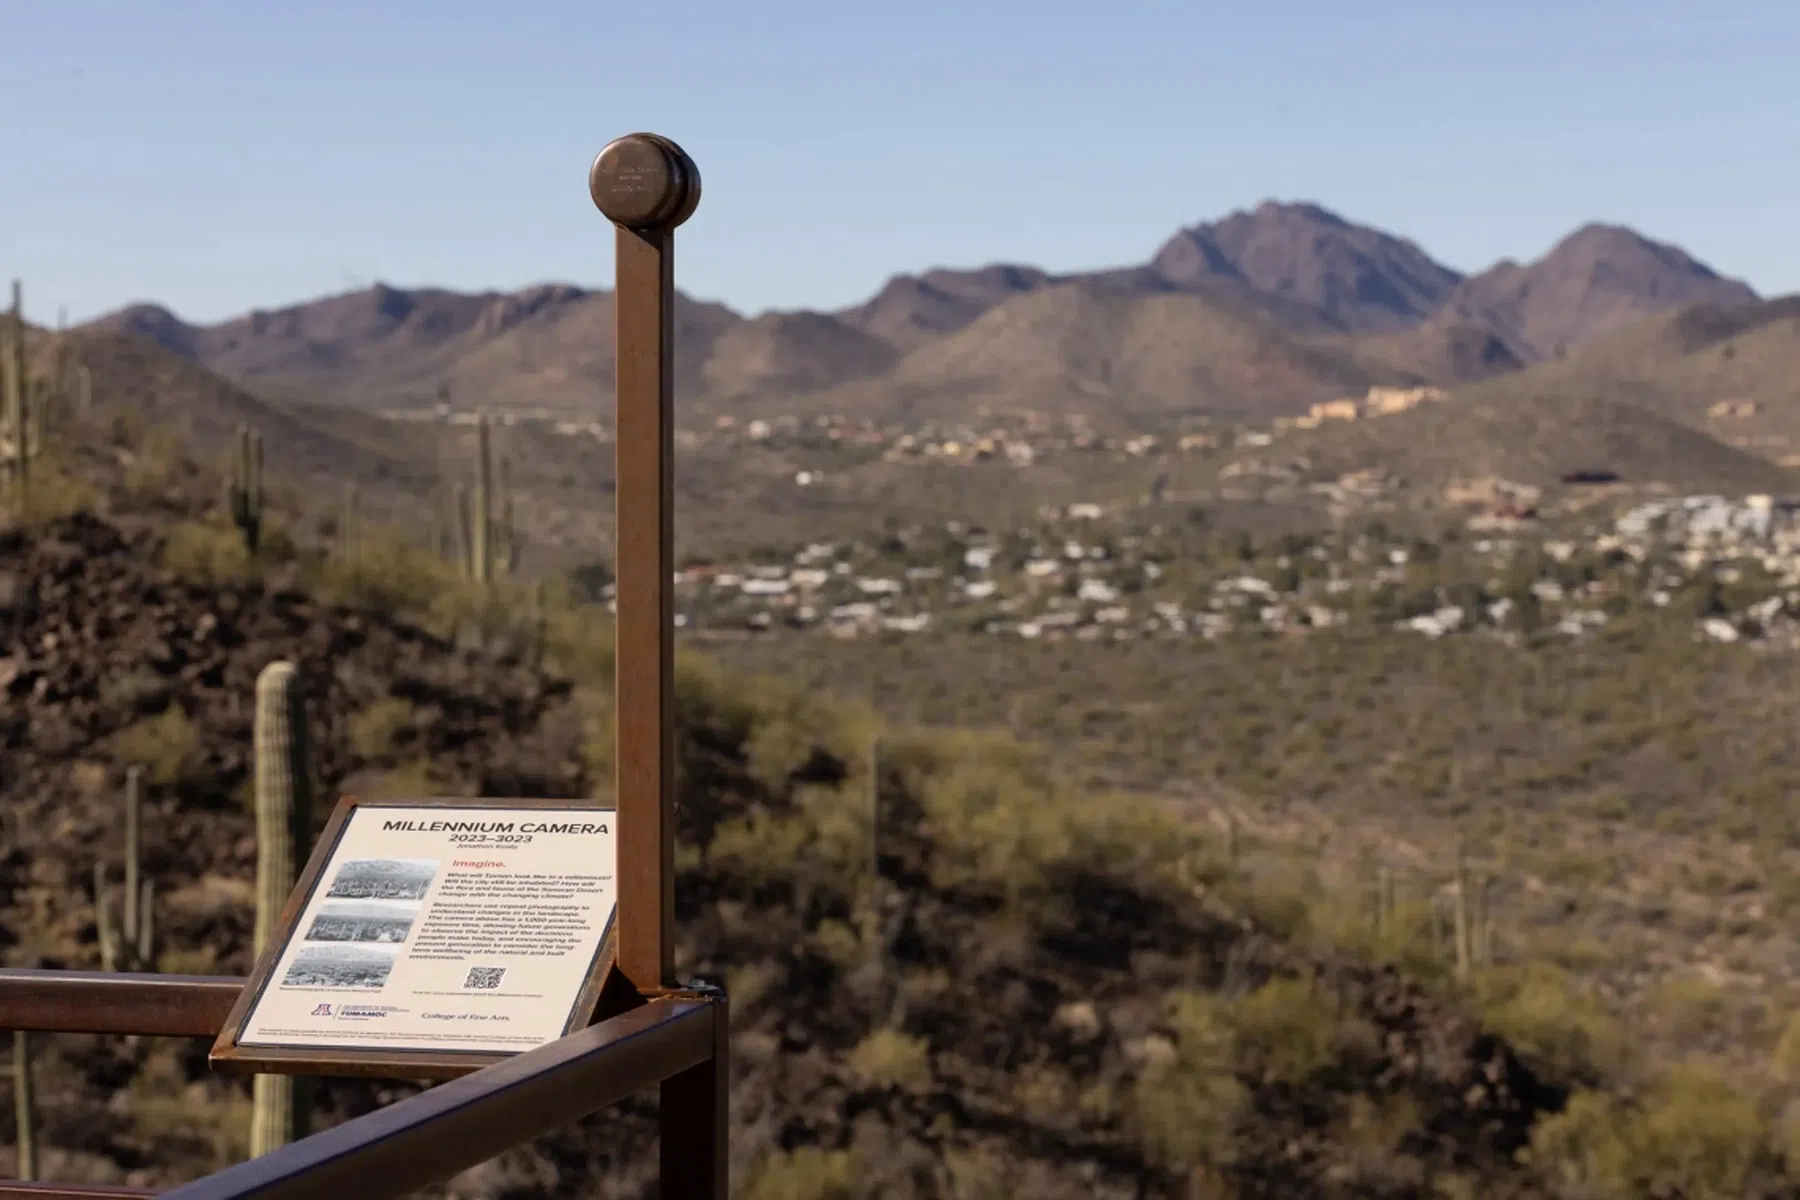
(24, 1105)
(481, 546)
(132, 943)
(349, 528)
(15, 407)
(483, 537)
(244, 489)
(1465, 942)
(1474, 923)
(283, 828)
(462, 532)
(1386, 927)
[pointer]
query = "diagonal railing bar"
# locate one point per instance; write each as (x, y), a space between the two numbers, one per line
(116, 1002)
(430, 1137)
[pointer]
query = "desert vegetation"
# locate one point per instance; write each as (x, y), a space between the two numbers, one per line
(1355, 914)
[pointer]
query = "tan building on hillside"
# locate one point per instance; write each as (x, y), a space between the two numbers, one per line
(1384, 401)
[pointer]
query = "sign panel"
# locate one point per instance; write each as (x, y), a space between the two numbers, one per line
(446, 927)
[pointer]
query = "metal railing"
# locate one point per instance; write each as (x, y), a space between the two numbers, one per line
(662, 1033)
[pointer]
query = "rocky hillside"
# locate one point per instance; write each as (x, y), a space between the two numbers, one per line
(1039, 994)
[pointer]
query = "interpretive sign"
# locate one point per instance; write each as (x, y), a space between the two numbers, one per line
(427, 938)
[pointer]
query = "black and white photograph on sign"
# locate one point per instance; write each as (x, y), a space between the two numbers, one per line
(383, 879)
(363, 921)
(341, 965)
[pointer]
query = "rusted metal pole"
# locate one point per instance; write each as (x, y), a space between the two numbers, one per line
(644, 701)
(695, 1137)
(646, 186)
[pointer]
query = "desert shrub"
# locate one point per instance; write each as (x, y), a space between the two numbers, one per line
(977, 1173)
(1186, 1106)
(388, 575)
(1289, 898)
(374, 730)
(1044, 1092)
(819, 848)
(995, 828)
(1373, 1132)
(918, 757)
(758, 847)
(790, 726)
(1688, 1005)
(1547, 1016)
(1697, 1134)
(54, 492)
(837, 943)
(152, 458)
(890, 1058)
(1287, 1029)
(1144, 841)
(804, 1173)
(706, 695)
(206, 552)
(212, 1123)
(409, 779)
(782, 739)
(599, 734)
(1784, 1060)
(166, 746)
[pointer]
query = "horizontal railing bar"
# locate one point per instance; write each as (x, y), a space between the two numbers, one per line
(147, 1005)
(436, 1134)
(13, 1189)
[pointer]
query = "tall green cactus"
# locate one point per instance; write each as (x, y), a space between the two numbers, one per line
(540, 622)
(131, 945)
(1473, 919)
(483, 536)
(244, 487)
(1386, 924)
(461, 527)
(1465, 944)
(283, 830)
(350, 529)
(59, 362)
(481, 548)
(24, 1105)
(15, 408)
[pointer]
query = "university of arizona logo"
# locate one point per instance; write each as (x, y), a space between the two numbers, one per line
(324, 1010)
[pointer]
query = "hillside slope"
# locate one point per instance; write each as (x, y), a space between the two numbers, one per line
(1727, 369)
(938, 1048)
(1540, 439)
(1079, 346)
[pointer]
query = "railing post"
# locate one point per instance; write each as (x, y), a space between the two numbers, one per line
(695, 1118)
(646, 186)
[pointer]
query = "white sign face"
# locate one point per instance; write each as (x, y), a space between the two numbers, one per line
(449, 928)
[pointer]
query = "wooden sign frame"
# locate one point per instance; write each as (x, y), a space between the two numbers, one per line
(229, 1057)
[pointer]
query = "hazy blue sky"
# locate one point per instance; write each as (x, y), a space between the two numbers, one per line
(218, 155)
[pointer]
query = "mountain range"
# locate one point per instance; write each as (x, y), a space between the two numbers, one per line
(1257, 314)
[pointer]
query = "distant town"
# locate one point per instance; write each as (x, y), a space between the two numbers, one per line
(1733, 563)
